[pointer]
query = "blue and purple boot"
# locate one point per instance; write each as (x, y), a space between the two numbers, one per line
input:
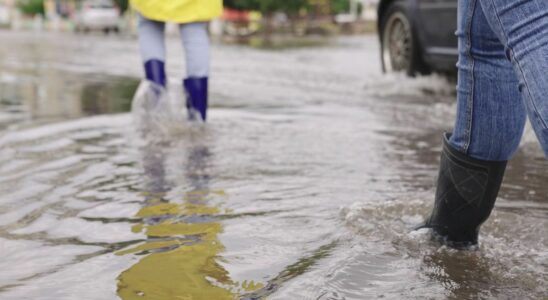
(196, 97)
(155, 72)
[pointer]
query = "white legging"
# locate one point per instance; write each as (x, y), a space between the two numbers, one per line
(195, 42)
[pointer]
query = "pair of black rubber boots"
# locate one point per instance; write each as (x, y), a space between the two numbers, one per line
(196, 88)
(465, 196)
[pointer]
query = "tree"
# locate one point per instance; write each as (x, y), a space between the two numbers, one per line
(340, 6)
(122, 4)
(31, 7)
(267, 7)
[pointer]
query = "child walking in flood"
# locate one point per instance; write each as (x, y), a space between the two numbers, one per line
(192, 17)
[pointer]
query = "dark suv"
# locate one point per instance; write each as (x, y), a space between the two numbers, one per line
(418, 36)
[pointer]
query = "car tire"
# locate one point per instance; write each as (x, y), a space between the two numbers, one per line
(400, 49)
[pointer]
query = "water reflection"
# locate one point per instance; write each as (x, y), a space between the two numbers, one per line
(180, 258)
(320, 150)
(108, 95)
(56, 94)
(453, 272)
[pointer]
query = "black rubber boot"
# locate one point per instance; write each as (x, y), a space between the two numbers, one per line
(466, 194)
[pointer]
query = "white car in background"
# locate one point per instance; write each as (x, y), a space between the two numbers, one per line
(98, 15)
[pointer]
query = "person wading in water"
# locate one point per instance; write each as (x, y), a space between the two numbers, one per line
(192, 17)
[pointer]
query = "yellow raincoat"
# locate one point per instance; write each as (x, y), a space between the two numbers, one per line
(179, 11)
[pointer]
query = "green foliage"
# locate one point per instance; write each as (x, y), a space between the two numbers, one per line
(340, 6)
(234, 4)
(268, 6)
(287, 6)
(31, 7)
(122, 4)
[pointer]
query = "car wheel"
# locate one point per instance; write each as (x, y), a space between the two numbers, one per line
(399, 45)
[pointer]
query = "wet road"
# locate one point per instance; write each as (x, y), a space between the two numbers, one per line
(303, 185)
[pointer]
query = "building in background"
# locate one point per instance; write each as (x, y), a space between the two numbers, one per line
(7, 12)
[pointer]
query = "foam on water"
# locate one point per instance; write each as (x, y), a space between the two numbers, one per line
(511, 261)
(398, 84)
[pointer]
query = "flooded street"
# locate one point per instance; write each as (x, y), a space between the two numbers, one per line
(304, 184)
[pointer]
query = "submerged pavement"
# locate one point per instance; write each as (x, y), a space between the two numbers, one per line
(304, 184)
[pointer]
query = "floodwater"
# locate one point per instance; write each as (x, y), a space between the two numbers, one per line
(304, 184)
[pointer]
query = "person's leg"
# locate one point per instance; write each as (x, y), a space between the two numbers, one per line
(196, 44)
(522, 26)
(488, 129)
(153, 52)
(490, 112)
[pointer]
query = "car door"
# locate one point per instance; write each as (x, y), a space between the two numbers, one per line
(437, 25)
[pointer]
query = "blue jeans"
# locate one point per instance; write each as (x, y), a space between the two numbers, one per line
(502, 77)
(195, 42)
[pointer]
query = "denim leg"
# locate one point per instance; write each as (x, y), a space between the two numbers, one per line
(151, 40)
(522, 26)
(196, 44)
(490, 112)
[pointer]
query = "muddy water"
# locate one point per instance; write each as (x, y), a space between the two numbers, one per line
(304, 184)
